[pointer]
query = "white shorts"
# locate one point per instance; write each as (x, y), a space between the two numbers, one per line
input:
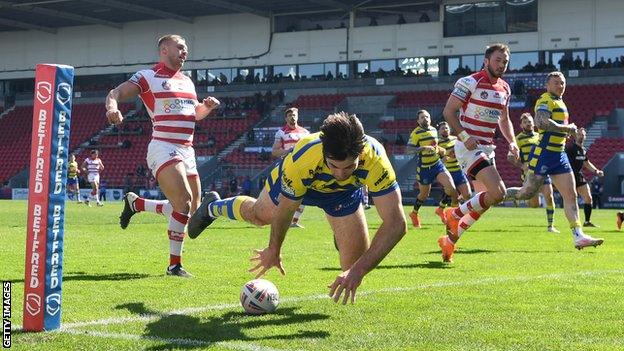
(161, 154)
(93, 178)
(470, 158)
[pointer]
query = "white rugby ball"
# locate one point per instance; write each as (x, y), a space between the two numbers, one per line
(259, 296)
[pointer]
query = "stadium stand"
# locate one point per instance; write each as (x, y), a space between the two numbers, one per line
(87, 120)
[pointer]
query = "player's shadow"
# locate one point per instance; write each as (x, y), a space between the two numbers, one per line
(428, 265)
(466, 251)
(83, 276)
(184, 331)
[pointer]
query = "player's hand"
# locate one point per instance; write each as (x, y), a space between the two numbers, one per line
(471, 143)
(211, 102)
(572, 129)
(347, 282)
(266, 259)
(514, 150)
(599, 173)
(114, 116)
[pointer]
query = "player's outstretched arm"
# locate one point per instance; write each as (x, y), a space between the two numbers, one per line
(125, 91)
(271, 256)
(590, 166)
(203, 109)
(393, 228)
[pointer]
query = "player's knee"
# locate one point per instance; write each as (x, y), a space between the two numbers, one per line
(498, 194)
(181, 202)
(401, 226)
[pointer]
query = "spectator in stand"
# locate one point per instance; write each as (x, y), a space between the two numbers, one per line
(578, 63)
(528, 68)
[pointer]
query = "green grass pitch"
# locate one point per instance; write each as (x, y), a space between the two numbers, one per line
(513, 286)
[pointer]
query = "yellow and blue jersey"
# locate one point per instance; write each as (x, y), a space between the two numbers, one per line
(425, 137)
(72, 169)
(552, 141)
(525, 142)
(304, 171)
(450, 161)
(548, 156)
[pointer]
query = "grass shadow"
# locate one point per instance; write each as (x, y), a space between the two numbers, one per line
(83, 276)
(465, 251)
(187, 332)
(428, 265)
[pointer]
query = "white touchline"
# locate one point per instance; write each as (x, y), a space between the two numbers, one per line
(193, 310)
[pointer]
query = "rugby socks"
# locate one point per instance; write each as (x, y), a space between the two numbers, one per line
(417, 205)
(550, 213)
(444, 201)
(298, 214)
(176, 231)
(587, 209)
(467, 221)
(162, 207)
(475, 204)
(230, 207)
(577, 232)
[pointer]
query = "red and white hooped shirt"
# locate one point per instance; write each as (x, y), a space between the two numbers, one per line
(484, 103)
(170, 99)
(288, 136)
(93, 165)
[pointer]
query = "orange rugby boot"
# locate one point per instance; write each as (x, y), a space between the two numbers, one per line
(452, 223)
(448, 248)
(415, 220)
(440, 212)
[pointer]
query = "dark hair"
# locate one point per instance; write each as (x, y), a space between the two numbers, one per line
(290, 109)
(496, 47)
(443, 123)
(422, 111)
(93, 151)
(342, 136)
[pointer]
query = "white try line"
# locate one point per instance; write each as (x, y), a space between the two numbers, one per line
(194, 310)
(71, 328)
